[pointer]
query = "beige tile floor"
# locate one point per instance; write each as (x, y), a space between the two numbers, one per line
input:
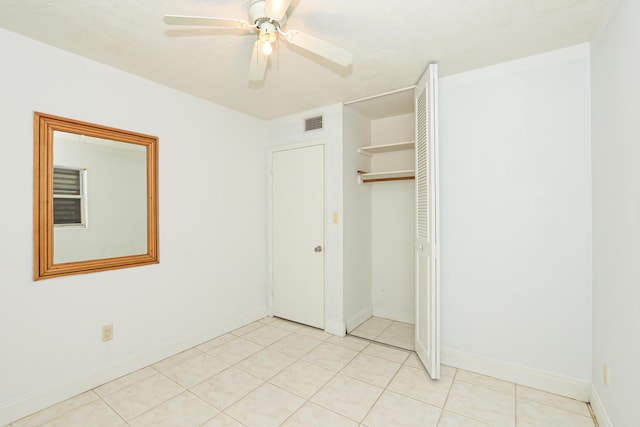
(273, 372)
(386, 331)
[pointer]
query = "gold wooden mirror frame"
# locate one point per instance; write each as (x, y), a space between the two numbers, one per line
(44, 266)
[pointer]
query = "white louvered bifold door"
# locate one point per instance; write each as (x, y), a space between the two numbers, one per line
(427, 230)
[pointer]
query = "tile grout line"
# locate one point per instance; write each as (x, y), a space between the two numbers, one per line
(378, 398)
(515, 405)
(555, 407)
(382, 331)
(336, 373)
(267, 381)
(561, 409)
(388, 383)
(593, 415)
(110, 407)
(184, 389)
(155, 406)
(232, 417)
(235, 366)
(308, 400)
(61, 415)
(455, 378)
(446, 399)
(375, 338)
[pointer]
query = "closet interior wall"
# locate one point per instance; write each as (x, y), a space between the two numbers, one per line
(393, 224)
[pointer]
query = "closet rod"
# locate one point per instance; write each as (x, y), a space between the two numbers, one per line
(380, 95)
(400, 178)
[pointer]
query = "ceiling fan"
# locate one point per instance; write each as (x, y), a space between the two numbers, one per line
(268, 18)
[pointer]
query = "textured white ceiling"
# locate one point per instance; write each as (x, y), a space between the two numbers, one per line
(392, 42)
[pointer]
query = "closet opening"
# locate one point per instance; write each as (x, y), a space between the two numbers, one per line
(391, 219)
(380, 132)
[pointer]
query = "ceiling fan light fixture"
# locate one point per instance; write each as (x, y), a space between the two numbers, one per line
(267, 48)
(267, 36)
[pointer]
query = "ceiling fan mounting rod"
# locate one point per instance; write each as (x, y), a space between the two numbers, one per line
(267, 24)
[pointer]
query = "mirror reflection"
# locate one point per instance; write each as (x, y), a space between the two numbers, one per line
(99, 198)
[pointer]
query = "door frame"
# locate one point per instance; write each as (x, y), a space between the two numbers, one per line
(271, 151)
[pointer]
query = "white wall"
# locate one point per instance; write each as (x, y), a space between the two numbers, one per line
(393, 223)
(615, 71)
(357, 220)
(212, 272)
(116, 200)
(290, 130)
(515, 215)
(393, 264)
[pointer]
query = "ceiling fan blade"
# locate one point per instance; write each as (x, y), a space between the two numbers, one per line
(206, 21)
(258, 63)
(276, 9)
(319, 47)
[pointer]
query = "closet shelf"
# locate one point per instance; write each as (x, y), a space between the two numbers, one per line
(386, 148)
(366, 177)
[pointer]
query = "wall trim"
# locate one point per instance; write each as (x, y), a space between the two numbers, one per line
(358, 318)
(552, 383)
(33, 402)
(598, 409)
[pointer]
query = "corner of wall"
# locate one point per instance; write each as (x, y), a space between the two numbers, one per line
(598, 409)
(358, 318)
(540, 380)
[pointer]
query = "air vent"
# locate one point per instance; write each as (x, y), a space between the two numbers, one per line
(313, 123)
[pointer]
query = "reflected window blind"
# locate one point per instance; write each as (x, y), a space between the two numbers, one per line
(66, 181)
(67, 196)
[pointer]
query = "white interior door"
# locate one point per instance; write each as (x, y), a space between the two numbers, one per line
(427, 230)
(298, 234)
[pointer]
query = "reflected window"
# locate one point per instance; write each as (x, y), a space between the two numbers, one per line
(69, 195)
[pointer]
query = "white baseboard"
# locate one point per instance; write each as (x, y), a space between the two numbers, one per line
(25, 405)
(358, 318)
(397, 315)
(540, 380)
(598, 409)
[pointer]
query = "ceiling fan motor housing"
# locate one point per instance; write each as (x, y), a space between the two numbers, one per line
(267, 32)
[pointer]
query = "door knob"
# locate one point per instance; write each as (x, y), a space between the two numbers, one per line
(318, 249)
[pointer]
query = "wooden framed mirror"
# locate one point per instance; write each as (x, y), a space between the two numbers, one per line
(95, 198)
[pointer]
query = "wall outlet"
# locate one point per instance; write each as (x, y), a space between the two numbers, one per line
(605, 375)
(107, 333)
